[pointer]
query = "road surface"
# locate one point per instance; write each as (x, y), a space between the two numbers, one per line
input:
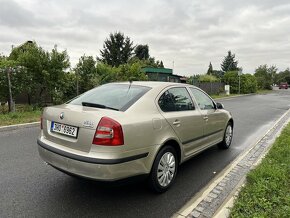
(29, 188)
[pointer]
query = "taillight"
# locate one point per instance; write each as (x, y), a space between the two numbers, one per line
(41, 121)
(109, 132)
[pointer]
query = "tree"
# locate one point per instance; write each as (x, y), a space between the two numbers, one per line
(10, 80)
(44, 71)
(36, 62)
(265, 76)
(282, 76)
(210, 70)
(86, 74)
(229, 63)
(232, 78)
(218, 73)
(117, 49)
(58, 64)
(248, 82)
(142, 52)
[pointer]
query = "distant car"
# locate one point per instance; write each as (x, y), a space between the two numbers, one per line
(283, 85)
(120, 130)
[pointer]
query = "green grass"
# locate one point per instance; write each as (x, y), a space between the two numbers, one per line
(223, 96)
(264, 91)
(267, 190)
(19, 117)
(23, 114)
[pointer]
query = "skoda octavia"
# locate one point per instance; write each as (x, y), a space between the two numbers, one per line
(120, 130)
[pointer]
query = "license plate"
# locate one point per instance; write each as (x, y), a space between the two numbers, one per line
(64, 129)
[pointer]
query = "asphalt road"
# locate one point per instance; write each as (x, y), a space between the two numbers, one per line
(29, 188)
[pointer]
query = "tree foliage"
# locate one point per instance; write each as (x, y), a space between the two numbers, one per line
(207, 78)
(142, 52)
(229, 63)
(44, 71)
(265, 76)
(16, 76)
(117, 49)
(125, 72)
(210, 70)
(86, 73)
(248, 82)
(282, 76)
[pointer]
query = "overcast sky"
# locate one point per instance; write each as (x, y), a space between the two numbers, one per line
(190, 33)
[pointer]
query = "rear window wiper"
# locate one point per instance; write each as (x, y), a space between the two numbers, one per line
(88, 104)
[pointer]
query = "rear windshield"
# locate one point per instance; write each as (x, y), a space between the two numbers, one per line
(116, 96)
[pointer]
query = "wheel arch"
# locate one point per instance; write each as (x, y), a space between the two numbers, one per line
(173, 143)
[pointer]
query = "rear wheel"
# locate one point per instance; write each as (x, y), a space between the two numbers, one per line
(228, 136)
(164, 169)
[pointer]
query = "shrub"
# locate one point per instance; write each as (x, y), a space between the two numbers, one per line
(248, 82)
(207, 78)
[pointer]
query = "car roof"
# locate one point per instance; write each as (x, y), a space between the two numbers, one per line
(154, 84)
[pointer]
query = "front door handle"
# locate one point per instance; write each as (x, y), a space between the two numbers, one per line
(176, 122)
(205, 118)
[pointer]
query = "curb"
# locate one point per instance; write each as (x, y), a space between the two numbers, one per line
(19, 126)
(235, 96)
(218, 196)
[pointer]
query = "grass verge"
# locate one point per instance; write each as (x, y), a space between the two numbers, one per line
(267, 190)
(19, 117)
(223, 96)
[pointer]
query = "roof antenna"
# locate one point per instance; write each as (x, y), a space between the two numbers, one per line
(130, 81)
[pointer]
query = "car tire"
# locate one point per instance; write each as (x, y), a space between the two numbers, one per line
(228, 136)
(164, 170)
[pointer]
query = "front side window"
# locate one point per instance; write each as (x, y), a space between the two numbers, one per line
(175, 99)
(203, 101)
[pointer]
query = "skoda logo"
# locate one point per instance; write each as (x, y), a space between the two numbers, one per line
(61, 116)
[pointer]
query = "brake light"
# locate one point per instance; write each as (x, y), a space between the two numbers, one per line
(109, 132)
(41, 121)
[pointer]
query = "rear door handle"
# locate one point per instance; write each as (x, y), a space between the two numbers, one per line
(205, 118)
(176, 122)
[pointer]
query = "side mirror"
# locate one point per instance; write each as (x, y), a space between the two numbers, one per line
(219, 105)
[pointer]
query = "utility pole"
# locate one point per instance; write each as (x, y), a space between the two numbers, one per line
(77, 84)
(10, 105)
(240, 73)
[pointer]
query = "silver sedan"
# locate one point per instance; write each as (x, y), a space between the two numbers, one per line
(121, 130)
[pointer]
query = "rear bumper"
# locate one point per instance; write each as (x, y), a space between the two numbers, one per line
(95, 168)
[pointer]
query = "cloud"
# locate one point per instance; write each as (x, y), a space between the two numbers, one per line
(188, 33)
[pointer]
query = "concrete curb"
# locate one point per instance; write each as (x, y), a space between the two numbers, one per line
(19, 126)
(235, 96)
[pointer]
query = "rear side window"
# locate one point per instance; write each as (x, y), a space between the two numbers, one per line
(175, 99)
(118, 96)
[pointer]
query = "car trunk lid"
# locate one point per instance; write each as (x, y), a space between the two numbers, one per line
(82, 121)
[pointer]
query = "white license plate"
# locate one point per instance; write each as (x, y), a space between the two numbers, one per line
(64, 129)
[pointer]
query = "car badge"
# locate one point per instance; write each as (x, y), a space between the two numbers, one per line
(61, 116)
(88, 123)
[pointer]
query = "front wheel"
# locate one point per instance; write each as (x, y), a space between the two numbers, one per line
(228, 136)
(164, 170)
